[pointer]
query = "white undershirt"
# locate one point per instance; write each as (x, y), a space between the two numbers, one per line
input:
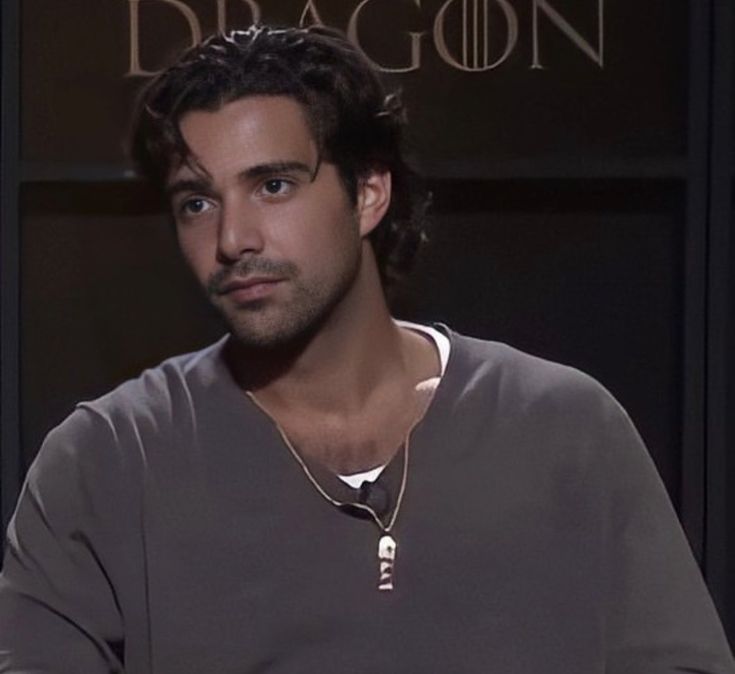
(443, 346)
(441, 341)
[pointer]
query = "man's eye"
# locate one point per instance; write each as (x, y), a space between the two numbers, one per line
(194, 206)
(276, 187)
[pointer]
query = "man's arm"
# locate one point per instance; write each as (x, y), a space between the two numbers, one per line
(661, 619)
(58, 611)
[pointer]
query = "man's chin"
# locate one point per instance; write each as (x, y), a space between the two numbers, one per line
(271, 336)
(286, 326)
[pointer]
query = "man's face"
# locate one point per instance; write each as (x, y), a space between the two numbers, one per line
(267, 229)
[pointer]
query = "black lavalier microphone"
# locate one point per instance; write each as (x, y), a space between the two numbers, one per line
(375, 496)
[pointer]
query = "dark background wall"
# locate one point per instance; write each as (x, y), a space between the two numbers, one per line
(581, 158)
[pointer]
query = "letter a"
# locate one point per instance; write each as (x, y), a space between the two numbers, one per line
(222, 13)
(311, 10)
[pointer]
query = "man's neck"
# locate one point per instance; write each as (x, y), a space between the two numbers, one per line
(338, 370)
(355, 411)
(347, 396)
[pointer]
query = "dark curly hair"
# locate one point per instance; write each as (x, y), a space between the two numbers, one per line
(356, 124)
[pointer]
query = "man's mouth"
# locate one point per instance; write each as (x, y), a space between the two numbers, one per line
(247, 289)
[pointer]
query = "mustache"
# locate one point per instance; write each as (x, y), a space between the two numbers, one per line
(248, 267)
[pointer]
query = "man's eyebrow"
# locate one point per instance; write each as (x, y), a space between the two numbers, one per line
(250, 173)
(187, 185)
(276, 167)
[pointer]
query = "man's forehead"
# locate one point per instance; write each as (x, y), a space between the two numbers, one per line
(269, 117)
(242, 135)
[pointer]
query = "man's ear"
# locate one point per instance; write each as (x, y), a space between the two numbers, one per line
(373, 199)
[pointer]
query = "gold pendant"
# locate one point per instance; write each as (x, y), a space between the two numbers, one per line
(386, 558)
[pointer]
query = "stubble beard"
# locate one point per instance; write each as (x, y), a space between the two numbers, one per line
(273, 323)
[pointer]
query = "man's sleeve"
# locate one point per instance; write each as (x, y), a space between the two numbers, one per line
(660, 618)
(58, 611)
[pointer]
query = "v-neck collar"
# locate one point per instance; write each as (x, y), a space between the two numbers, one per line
(425, 430)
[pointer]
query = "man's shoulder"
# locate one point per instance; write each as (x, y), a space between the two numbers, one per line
(501, 361)
(554, 404)
(521, 380)
(98, 435)
(159, 391)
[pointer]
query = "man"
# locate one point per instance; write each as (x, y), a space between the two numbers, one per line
(326, 489)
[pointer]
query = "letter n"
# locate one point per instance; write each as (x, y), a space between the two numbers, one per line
(596, 55)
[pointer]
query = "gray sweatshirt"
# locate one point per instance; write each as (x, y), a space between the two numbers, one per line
(165, 528)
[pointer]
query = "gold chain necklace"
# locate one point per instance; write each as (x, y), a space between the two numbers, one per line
(387, 545)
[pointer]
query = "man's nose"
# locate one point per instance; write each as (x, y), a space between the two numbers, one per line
(240, 232)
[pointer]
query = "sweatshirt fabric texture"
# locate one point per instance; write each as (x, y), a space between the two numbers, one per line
(165, 528)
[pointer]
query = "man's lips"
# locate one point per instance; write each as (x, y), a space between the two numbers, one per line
(249, 282)
(250, 288)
